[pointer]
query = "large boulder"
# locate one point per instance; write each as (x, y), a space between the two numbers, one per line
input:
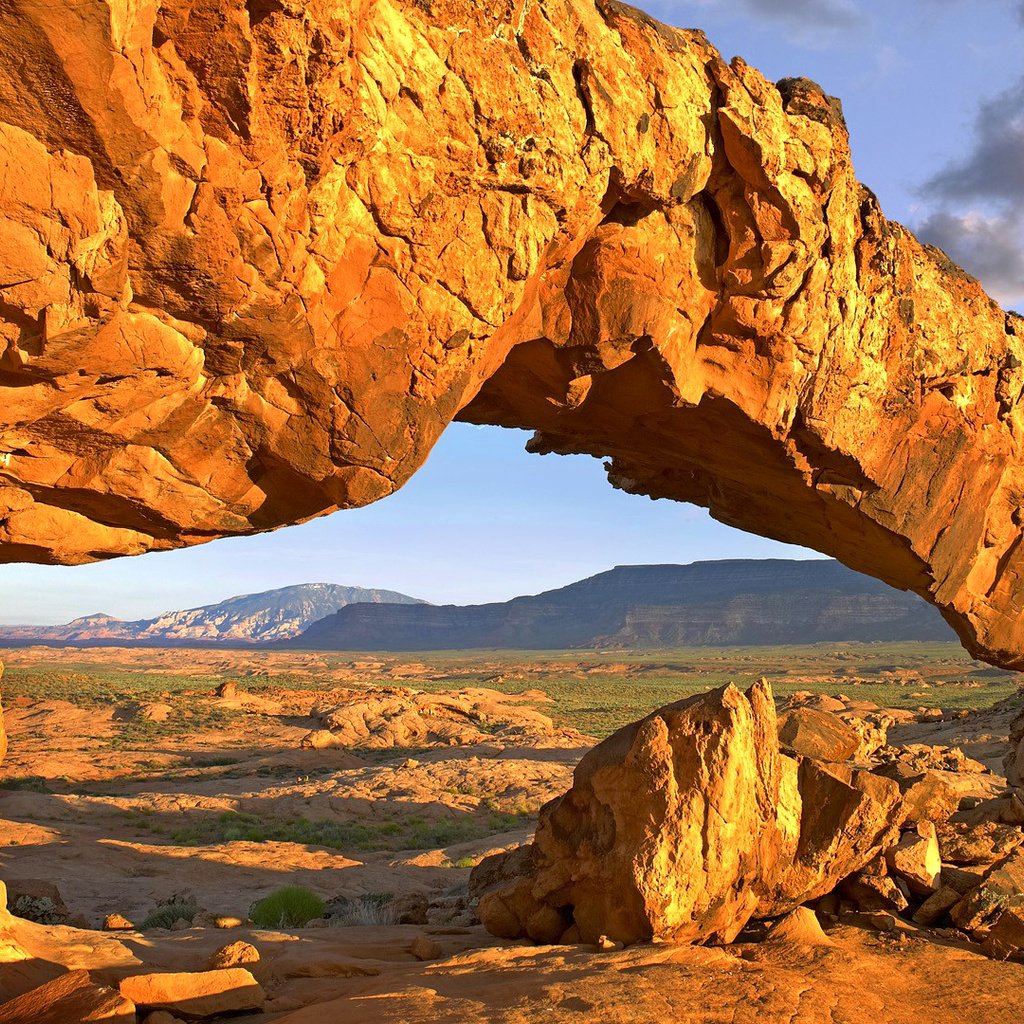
(927, 795)
(196, 994)
(687, 824)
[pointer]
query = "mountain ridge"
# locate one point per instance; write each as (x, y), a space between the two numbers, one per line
(245, 618)
(704, 603)
(730, 601)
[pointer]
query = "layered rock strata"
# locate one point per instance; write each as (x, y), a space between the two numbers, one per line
(255, 256)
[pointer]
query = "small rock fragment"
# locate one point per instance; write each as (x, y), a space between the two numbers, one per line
(801, 927)
(1006, 939)
(117, 923)
(234, 954)
(425, 948)
(937, 905)
(915, 859)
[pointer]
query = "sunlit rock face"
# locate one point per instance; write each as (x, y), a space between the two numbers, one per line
(254, 257)
(683, 826)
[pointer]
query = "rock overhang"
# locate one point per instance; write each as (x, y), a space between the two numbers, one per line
(253, 260)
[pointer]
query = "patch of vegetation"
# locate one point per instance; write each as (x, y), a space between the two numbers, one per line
(40, 909)
(290, 907)
(167, 914)
(595, 691)
(413, 833)
(462, 862)
(32, 783)
(217, 761)
(372, 908)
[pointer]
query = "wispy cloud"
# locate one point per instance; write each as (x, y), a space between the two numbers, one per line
(819, 13)
(813, 23)
(990, 247)
(994, 168)
(977, 202)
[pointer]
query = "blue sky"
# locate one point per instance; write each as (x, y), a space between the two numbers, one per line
(934, 96)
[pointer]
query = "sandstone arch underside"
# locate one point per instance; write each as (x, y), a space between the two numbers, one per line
(254, 258)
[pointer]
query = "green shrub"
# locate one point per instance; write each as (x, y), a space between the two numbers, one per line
(33, 783)
(166, 914)
(290, 907)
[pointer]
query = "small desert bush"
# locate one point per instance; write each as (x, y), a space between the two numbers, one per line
(166, 914)
(290, 907)
(373, 908)
(40, 909)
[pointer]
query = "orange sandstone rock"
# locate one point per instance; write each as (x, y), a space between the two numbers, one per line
(69, 997)
(684, 826)
(254, 258)
(196, 994)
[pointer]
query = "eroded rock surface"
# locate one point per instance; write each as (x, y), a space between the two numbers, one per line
(1014, 763)
(385, 717)
(684, 826)
(254, 257)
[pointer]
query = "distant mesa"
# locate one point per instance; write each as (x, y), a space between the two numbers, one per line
(251, 618)
(741, 601)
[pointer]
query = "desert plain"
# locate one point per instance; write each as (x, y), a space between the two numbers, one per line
(203, 780)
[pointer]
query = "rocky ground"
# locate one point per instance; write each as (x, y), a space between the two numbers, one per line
(382, 800)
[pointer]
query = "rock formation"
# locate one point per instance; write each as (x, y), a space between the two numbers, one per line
(255, 256)
(684, 826)
(389, 716)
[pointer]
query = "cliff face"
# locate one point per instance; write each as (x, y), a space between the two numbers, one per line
(255, 256)
(770, 601)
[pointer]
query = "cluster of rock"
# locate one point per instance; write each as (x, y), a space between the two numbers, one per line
(223, 986)
(390, 716)
(716, 811)
(235, 978)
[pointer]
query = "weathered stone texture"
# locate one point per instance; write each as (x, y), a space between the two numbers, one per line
(254, 257)
(684, 826)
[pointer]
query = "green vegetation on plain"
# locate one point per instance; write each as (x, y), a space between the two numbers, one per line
(593, 691)
(407, 833)
(288, 907)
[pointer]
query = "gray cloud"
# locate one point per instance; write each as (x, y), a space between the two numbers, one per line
(994, 169)
(978, 201)
(989, 247)
(804, 13)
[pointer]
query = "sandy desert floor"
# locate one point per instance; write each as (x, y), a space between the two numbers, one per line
(130, 782)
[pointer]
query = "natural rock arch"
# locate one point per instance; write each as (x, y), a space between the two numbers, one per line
(254, 257)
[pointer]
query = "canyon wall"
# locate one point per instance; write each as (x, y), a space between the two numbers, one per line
(255, 256)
